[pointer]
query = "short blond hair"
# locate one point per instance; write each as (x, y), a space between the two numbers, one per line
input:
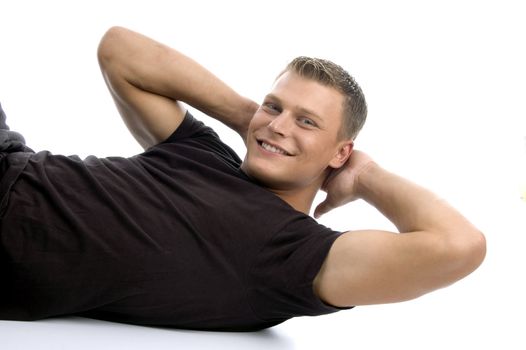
(330, 74)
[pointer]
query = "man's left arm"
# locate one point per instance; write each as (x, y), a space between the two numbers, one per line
(436, 245)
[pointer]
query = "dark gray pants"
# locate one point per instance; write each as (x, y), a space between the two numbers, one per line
(10, 141)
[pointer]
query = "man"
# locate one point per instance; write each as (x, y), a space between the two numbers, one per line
(187, 235)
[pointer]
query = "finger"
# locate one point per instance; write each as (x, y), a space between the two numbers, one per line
(321, 209)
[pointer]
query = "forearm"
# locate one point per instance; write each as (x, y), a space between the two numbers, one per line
(159, 69)
(409, 206)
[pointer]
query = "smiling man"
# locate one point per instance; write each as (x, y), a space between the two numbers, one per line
(294, 139)
(187, 235)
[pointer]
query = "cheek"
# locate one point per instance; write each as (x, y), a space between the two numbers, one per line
(258, 120)
(317, 152)
(313, 147)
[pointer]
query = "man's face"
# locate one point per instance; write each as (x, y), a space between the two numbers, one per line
(293, 137)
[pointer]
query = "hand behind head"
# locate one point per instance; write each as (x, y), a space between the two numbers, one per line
(341, 184)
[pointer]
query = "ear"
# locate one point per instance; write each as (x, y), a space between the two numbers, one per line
(344, 152)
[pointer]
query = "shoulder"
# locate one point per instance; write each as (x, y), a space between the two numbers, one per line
(195, 136)
(190, 127)
(281, 279)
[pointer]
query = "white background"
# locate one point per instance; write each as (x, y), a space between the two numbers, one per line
(445, 84)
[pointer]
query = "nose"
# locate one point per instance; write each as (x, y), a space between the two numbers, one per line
(281, 124)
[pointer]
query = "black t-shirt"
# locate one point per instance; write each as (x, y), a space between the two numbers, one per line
(176, 236)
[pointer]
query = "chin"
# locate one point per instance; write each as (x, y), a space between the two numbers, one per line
(272, 179)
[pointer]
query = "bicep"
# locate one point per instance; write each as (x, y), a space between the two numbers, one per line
(376, 267)
(135, 69)
(151, 118)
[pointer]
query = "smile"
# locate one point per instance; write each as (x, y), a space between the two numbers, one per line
(273, 149)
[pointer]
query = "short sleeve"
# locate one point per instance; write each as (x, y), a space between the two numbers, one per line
(282, 278)
(190, 128)
(197, 134)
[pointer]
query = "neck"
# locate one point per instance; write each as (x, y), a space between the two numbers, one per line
(300, 199)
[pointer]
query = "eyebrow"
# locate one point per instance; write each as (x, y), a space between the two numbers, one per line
(300, 109)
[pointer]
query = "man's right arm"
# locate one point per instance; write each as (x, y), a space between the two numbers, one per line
(148, 80)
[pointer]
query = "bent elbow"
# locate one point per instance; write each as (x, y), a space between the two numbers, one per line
(478, 251)
(469, 252)
(110, 44)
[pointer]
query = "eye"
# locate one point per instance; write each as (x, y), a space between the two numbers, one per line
(271, 108)
(307, 122)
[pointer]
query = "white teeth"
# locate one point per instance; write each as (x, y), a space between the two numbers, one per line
(271, 148)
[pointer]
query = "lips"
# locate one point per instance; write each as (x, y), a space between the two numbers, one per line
(272, 148)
